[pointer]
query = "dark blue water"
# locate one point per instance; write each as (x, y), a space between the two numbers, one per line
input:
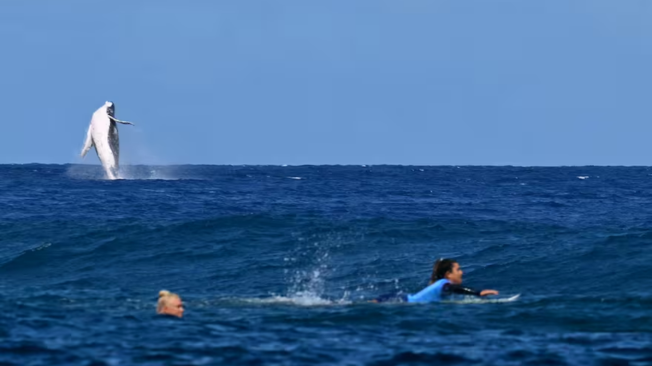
(274, 265)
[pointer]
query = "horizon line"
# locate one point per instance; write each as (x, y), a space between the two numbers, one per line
(351, 165)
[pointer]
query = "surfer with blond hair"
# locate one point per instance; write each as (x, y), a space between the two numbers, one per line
(169, 304)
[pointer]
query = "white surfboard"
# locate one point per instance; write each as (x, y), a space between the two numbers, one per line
(475, 300)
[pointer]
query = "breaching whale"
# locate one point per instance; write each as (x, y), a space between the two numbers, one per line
(103, 134)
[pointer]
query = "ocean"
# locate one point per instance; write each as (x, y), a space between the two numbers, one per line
(276, 265)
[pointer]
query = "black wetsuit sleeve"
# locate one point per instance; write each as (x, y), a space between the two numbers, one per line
(450, 288)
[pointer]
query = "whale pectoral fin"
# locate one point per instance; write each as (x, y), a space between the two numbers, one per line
(88, 143)
(123, 122)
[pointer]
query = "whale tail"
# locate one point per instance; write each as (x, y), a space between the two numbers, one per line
(88, 144)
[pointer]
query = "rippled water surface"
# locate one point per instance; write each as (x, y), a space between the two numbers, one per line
(276, 264)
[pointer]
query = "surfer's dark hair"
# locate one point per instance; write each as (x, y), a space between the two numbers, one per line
(441, 267)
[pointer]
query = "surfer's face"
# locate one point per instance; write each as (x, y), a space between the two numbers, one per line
(174, 306)
(455, 274)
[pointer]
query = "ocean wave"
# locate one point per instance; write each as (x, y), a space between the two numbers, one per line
(278, 270)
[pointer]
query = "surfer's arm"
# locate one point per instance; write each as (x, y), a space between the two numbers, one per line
(488, 292)
(461, 290)
(450, 288)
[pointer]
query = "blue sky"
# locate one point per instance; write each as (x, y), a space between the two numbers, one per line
(547, 82)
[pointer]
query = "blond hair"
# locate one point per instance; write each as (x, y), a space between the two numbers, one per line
(163, 297)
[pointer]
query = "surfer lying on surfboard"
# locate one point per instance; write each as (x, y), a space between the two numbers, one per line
(446, 279)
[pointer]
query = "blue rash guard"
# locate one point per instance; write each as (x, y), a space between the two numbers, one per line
(432, 293)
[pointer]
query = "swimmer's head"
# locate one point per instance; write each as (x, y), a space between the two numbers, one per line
(169, 304)
(448, 269)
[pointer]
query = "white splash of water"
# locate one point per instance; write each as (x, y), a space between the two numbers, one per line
(309, 300)
(308, 285)
(149, 173)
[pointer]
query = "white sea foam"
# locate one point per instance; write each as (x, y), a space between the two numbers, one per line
(298, 299)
